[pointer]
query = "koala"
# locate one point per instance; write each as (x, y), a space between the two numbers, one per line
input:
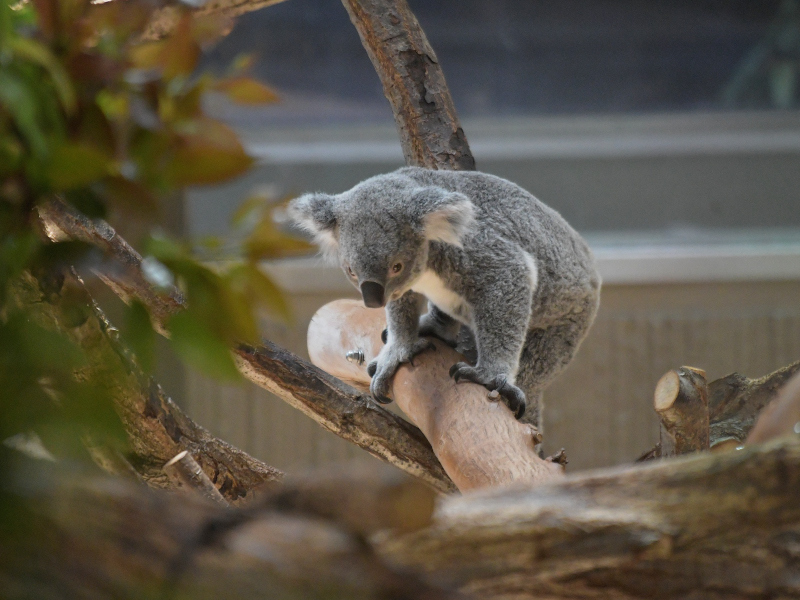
(488, 257)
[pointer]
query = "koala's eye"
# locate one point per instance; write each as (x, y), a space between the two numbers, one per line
(396, 268)
(350, 271)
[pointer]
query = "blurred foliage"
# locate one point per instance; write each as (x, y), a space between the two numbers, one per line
(112, 125)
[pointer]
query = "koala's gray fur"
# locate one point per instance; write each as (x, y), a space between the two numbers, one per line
(484, 252)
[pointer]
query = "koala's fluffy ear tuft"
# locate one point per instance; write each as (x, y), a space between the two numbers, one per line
(314, 213)
(447, 217)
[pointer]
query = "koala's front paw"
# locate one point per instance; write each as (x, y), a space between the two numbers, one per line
(385, 365)
(513, 397)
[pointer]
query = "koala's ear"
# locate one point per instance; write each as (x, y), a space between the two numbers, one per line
(447, 215)
(315, 214)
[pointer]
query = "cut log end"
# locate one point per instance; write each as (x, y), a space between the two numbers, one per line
(667, 390)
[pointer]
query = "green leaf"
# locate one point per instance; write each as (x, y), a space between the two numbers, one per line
(140, 336)
(75, 165)
(41, 55)
(208, 152)
(21, 102)
(198, 346)
(250, 280)
(245, 90)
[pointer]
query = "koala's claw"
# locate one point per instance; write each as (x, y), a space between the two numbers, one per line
(383, 368)
(513, 397)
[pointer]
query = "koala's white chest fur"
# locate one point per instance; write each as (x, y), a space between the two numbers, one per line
(434, 289)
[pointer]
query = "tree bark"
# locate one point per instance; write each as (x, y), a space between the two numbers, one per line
(344, 411)
(332, 404)
(477, 440)
(414, 84)
(734, 403)
(709, 525)
(157, 428)
(781, 416)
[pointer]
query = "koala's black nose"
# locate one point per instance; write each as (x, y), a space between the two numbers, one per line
(372, 292)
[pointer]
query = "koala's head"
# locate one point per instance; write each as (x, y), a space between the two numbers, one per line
(380, 231)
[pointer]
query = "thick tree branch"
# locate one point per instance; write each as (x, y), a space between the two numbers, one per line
(334, 405)
(107, 538)
(414, 84)
(711, 525)
(477, 441)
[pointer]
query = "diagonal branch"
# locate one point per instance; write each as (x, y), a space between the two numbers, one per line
(334, 405)
(157, 428)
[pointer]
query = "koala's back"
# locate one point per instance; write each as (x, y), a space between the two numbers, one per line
(505, 211)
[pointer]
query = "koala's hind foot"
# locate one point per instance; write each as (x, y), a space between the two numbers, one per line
(513, 397)
(385, 365)
(440, 325)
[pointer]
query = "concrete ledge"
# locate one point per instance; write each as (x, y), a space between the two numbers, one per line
(625, 259)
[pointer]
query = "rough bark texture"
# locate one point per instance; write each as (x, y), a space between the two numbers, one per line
(709, 525)
(157, 428)
(781, 416)
(477, 441)
(344, 411)
(414, 84)
(681, 403)
(334, 405)
(124, 276)
(186, 473)
(107, 538)
(735, 401)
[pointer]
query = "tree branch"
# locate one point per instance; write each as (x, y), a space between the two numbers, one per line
(157, 428)
(734, 403)
(334, 405)
(414, 84)
(681, 402)
(107, 538)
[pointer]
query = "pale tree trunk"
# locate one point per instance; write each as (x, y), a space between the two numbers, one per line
(476, 438)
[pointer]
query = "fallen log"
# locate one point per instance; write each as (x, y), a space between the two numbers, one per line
(477, 440)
